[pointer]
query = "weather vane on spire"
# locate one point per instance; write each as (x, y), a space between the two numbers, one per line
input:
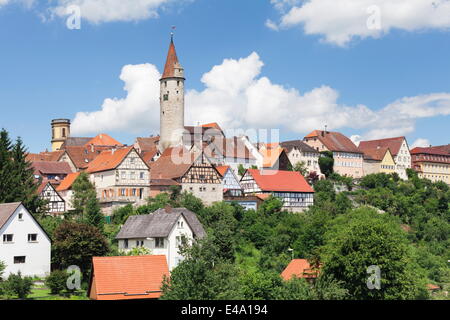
(172, 32)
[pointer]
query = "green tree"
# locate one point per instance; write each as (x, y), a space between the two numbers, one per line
(57, 281)
(326, 163)
(16, 285)
(92, 214)
(6, 166)
(2, 269)
(241, 170)
(366, 238)
(85, 203)
(301, 168)
(76, 243)
(139, 251)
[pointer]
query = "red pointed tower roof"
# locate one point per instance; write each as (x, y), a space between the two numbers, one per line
(171, 62)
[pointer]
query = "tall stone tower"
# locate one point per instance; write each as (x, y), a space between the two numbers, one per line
(171, 101)
(60, 132)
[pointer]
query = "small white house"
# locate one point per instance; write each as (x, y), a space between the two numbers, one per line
(162, 232)
(24, 245)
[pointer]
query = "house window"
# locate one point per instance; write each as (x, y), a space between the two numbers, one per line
(32, 237)
(122, 192)
(180, 224)
(8, 238)
(142, 175)
(139, 243)
(166, 97)
(134, 192)
(180, 240)
(20, 216)
(159, 242)
(125, 244)
(19, 259)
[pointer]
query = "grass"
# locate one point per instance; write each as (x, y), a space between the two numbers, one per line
(41, 292)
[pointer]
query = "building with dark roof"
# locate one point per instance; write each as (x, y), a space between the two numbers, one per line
(163, 232)
(299, 151)
(348, 159)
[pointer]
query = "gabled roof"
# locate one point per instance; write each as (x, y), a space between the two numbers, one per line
(104, 140)
(271, 156)
(222, 169)
(45, 156)
(147, 143)
(66, 184)
(298, 144)
(281, 181)
(81, 156)
(334, 141)
(430, 150)
(376, 154)
(394, 144)
(299, 268)
(230, 148)
(108, 160)
(171, 62)
(6, 211)
(51, 167)
(173, 163)
(75, 142)
(159, 224)
(128, 277)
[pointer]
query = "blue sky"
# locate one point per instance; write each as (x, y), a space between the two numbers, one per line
(49, 71)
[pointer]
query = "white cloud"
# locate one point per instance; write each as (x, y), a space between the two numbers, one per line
(421, 143)
(272, 25)
(98, 11)
(238, 97)
(3, 2)
(27, 3)
(340, 21)
(138, 111)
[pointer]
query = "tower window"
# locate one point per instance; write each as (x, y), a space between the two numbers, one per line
(64, 132)
(178, 83)
(166, 97)
(165, 84)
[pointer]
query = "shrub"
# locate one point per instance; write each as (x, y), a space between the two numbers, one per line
(18, 285)
(57, 281)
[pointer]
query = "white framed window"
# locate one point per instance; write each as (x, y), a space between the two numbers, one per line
(32, 237)
(159, 242)
(19, 259)
(8, 238)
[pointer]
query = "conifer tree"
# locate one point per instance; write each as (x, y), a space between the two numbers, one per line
(5, 167)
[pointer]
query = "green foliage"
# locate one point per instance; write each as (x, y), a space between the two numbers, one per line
(365, 238)
(138, 251)
(16, 285)
(120, 215)
(301, 168)
(57, 281)
(17, 182)
(241, 170)
(76, 243)
(326, 163)
(2, 269)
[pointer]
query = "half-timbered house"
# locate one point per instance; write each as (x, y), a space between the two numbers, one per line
(193, 171)
(290, 186)
(121, 177)
(56, 205)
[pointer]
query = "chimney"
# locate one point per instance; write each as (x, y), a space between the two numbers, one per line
(168, 209)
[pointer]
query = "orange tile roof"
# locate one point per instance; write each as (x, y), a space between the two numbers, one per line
(394, 144)
(108, 160)
(299, 268)
(281, 181)
(66, 184)
(104, 140)
(271, 155)
(222, 170)
(171, 61)
(214, 125)
(127, 277)
(334, 141)
(430, 150)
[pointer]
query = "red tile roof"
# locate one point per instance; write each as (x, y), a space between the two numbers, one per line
(171, 61)
(66, 184)
(127, 277)
(148, 143)
(430, 150)
(108, 160)
(173, 164)
(281, 181)
(81, 156)
(334, 141)
(45, 156)
(104, 140)
(299, 268)
(376, 154)
(222, 170)
(394, 144)
(51, 167)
